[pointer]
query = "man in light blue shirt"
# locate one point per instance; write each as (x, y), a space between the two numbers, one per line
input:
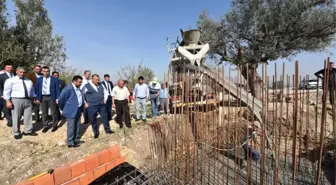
(71, 103)
(164, 97)
(140, 94)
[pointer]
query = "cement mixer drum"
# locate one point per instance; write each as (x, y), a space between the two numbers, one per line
(190, 37)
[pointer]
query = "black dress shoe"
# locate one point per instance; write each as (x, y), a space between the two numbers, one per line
(109, 132)
(144, 120)
(54, 128)
(121, 126)
(17, 137)
(9, 124)
(79, 142)
(29, 134)
(137, 119)
(45, 129)
(73, 146)
(95, 136)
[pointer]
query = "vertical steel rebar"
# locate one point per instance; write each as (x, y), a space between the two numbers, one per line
(323, 119)
(275, 120)
(296, 82)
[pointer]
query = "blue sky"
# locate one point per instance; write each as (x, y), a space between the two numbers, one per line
(104, 35)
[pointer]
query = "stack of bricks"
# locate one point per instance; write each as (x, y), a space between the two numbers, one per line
(82, 172)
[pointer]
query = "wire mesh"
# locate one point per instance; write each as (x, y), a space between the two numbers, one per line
(219, 131)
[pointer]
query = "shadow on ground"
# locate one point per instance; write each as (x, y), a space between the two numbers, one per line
(124, 173)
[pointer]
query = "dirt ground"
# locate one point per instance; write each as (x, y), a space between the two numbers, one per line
(30, 156)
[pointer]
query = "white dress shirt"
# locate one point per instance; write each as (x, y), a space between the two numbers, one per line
(108, 86)
(14, 88)
(37, 75)
(84, 90)
(47, 90)
(84, 82)
(79, 95)
(10, 75)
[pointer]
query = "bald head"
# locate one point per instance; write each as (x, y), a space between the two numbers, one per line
(121, 83)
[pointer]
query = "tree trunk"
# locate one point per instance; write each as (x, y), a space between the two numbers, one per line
(254, 81)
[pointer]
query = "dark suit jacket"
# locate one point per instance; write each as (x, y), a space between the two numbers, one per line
(32, 77)
(111, 85)
(3, 78)
(54, 88)
(62, 84)
(68, 102)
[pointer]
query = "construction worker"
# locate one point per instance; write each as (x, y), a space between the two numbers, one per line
(154, 91)
(249, 152)
(331, 80)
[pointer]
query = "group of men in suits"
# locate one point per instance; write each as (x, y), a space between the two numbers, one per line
(92, 97)
(40, 88)
(31, 92)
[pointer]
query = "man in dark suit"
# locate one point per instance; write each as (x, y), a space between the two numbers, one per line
(95, 97)
(3, 77)
(62, 83)
(108, 85)
(47, 92)
(71, 102)
(33, 76)
(330, 80)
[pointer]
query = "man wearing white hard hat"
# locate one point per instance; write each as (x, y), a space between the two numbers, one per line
(154, 91)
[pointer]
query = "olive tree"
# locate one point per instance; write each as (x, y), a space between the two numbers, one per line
(131, 74)
(31, 40)
(258, 31)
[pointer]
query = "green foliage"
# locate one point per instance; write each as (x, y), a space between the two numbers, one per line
(131, 74)
(68, 72)
(31, 40)
(261, 30)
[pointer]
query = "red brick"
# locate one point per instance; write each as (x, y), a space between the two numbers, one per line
(91, 162)
(45, 179)
(87, 178)
(73, 182)
(78, 168)
(109, 166)
(120, 160)
(26, 183)
(62, 174)
(103, 156)
(99, 172)
(115, 152)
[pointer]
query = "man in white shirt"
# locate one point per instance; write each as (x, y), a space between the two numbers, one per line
(120, 99)
(86, 79)
(18, 93)
(108, 85)
(3, 77)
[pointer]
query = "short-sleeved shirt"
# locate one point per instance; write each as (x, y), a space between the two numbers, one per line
(120, 93)
(154, 88)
